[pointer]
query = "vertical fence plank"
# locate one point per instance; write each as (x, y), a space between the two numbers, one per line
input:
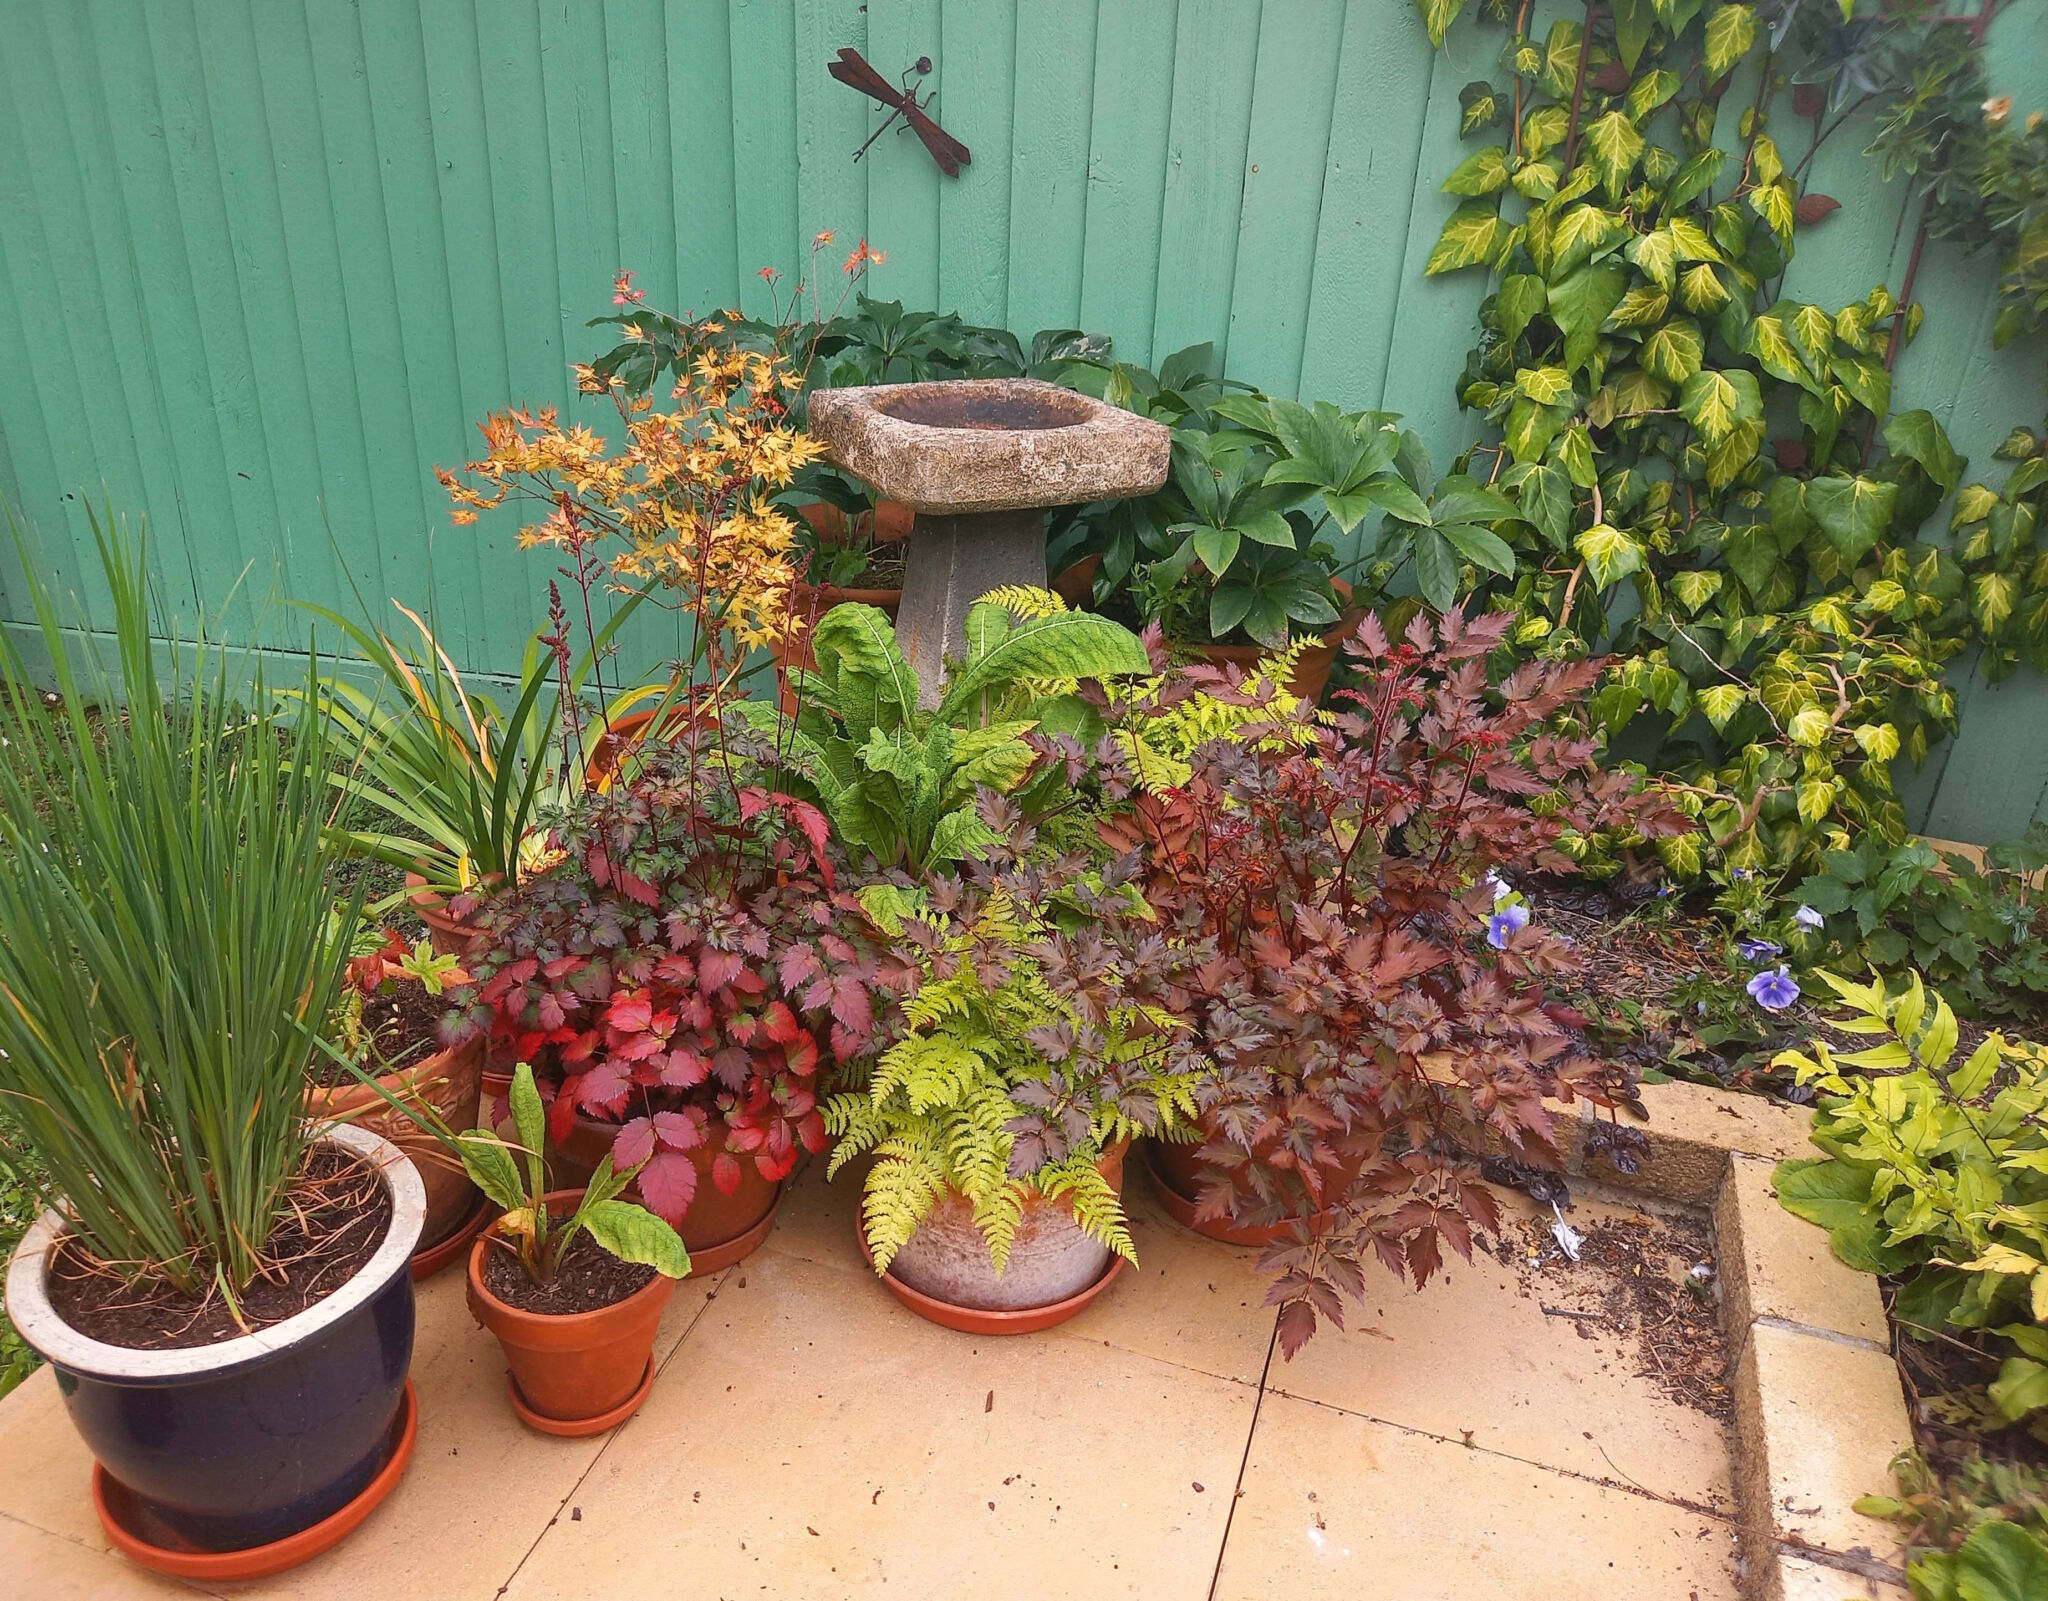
(979, 110)
(643, 172)
(1054, 98)
(704, 168)
(903, 181)
(1383, 82)
(1293, 94)
(1128, 129)
(831, 190)
(763, 46)
(1214, 53)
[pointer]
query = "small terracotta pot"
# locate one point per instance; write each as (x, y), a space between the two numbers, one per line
(718, 1229)
(1055, 1269)
(890, 521)
(573, 1369)
(449, 936)
(1177, 1176)
(448, 1081)
(1312, 671)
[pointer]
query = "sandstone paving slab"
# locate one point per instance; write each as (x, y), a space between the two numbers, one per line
(480, 1488)
(1189, 1300)
(1474, 1353)
(48, 1567)
(1796, 1579)
(813, 1438)
(1337, 1507)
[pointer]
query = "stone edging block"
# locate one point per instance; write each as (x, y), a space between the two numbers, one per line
(1819, 1410)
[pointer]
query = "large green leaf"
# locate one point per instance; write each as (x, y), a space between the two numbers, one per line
(1436, 568)
(1579, 304)
(2001, 1562)
(1470, 236)
(1633, 21)
(634, 1234)
(1695, 178)
(1915, 434)
(1853, 512)
(1064, 645)
(1522, 296)
(856, 640)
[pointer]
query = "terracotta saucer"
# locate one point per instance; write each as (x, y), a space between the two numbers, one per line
(1182, 1211)
(972, 1319)
(426, 1263)
(713, 1258)
(121, 1513)
(578, 1428)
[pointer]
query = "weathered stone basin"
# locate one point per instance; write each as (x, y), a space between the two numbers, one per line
(979, 461)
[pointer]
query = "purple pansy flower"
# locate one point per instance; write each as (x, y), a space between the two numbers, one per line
(1807, 917)
(1753, 949)
(1774, 991)
(1504, 924)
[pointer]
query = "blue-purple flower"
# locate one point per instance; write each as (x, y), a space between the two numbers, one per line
(1807, 917)
(1752, 949)
(1774, 991)
(1505, 924)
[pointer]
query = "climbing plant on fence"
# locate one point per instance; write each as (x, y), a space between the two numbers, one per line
(1711, 481)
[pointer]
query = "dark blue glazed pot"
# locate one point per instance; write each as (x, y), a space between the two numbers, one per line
(248, 1441)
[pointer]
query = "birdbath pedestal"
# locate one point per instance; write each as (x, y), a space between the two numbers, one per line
(979, 461)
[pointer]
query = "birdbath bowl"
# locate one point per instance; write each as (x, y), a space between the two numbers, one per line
(979, 461)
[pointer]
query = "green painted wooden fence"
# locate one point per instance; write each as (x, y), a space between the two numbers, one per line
(263, 263)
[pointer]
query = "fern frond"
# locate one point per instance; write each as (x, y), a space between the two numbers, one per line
(998, 1216)
(906, 1182)
(1024, 601)
(1097, 1206)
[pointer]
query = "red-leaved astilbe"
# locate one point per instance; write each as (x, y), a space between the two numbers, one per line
(1371, 1044)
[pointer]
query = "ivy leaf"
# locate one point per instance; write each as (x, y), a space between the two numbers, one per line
(1481, 104)
(1561, 58)
(1813, 332)
(1469, 239)
(1765, 162)
(1575, 451)
(1701, 289)
(1633, 20)
(1674, 351)
(1816, 795)
(1641, 307)
(1610, 555)
(1481, 173)
(1651, 90)
(1776, 354)
(1880, 741)
(1973, 505)
(1531, 427)
(1691, 240)
(1722, 702)
(1437, 17)
(1916, 435)
(1730, 32)
(1522, 295)
(1726, 459)
(1544, 129)
(1581, 233)
(1695, 588)
(1773, 203)
(1655, 255)
(1544, 385)
(1535, 180)
(1636, 392)
(1865, 378)
(1715, 401)
(1809, 726)
(1579, 304)
(1992, 597)
(1547, 503)
(1853, 512)
(1695, 178)
(1613, 145)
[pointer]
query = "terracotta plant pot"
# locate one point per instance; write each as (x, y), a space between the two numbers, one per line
(1076, 584)
(1177, 1176)
(718, 1229)
(889, 521)
(450, 936)
(1312, 671)
(1054, 1270)
(448, 1081)
(577, 1373)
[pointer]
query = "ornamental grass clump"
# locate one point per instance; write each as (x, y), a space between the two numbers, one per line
(169, 948)
(1376, 1024)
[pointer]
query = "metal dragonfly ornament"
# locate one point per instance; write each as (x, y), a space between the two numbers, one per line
(852, 68)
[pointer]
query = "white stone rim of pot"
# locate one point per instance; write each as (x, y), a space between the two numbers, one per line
(28, 1303)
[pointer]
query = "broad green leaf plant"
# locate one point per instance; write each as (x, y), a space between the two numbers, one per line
(900, 781)
(1936, 1173)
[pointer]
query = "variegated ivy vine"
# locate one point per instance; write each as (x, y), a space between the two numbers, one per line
(1710, 482)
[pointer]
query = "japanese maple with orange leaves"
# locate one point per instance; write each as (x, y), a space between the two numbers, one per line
(683, 507)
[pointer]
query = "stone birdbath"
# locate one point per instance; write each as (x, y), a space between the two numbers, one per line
(979, 461)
